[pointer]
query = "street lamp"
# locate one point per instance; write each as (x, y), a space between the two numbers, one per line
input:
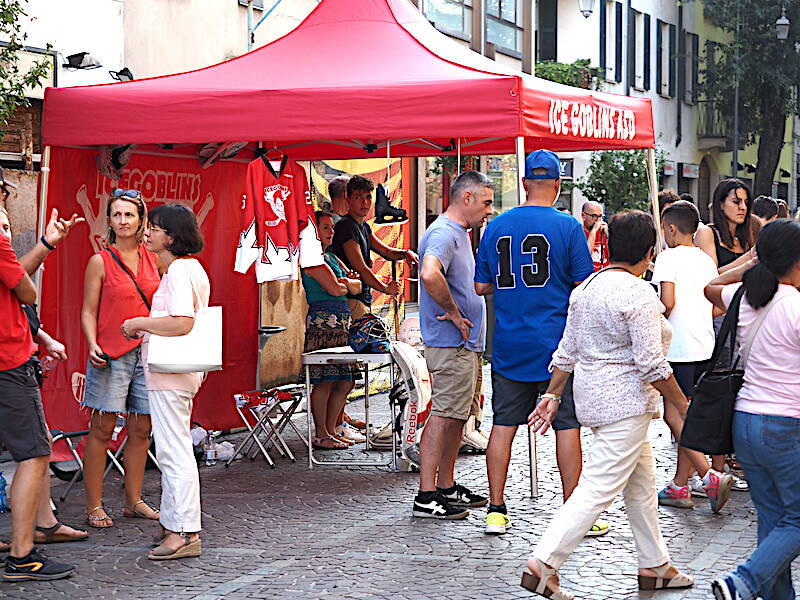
(587, 7)
(782, 25)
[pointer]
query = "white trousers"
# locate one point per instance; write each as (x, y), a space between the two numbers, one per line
(620, 460)
(171, 412)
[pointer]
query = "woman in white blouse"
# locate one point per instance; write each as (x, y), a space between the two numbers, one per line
(615, 341)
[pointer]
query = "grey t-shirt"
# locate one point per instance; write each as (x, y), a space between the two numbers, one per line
(448, 241)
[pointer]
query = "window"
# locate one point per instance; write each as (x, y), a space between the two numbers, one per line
(257, 4)
(691, 67)
(665, 59)
(639, 51)
(504, 25)
(611, 40)
(453, 17)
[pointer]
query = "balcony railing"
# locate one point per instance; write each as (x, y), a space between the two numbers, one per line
(710, 121)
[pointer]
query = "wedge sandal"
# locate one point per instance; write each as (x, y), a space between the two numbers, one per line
(538, 584)
(661, 582)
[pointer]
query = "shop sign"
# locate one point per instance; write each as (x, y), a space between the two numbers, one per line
(690, 171)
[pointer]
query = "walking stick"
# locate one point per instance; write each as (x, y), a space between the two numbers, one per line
(394, 304)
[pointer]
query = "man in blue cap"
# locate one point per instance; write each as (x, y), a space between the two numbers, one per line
(530, 258)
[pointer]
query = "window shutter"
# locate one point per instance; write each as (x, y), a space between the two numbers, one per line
(618, 42)
(659, 55)
(603, 35)
(646, 45)
(695, 65)
(672, 56)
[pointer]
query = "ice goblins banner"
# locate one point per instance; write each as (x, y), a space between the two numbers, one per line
(214, 194)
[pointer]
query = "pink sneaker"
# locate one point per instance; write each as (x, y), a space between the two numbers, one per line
(718, 489)
(679, 497)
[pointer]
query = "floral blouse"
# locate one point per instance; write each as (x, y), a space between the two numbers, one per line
(616, 342)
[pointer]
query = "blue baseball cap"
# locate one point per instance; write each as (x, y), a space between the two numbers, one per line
(542, 159)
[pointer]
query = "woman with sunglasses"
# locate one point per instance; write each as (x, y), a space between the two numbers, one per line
(119, 284)
(174, 237)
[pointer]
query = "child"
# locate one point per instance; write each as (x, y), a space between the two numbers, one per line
(682, 271)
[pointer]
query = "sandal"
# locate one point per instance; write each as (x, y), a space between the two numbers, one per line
(101, 522)
(357, 423)
(135, 513)
(599, 528)
(538, 583)
(50, 535)
(328, 443)
(5, 546)
(343, 440)
(188, 550)
(679, 580)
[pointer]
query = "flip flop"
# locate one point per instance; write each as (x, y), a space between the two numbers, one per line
(599, 528)
(52, 537)
(4, 546)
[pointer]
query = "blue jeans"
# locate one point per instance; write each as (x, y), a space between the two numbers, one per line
(768, 449)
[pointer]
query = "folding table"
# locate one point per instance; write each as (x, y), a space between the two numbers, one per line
(345, 355)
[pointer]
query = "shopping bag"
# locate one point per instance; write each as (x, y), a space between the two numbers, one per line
(198, 350)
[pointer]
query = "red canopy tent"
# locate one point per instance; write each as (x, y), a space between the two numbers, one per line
(355, 78)
(352, 74)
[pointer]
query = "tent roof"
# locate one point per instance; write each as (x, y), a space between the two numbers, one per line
(352, 75)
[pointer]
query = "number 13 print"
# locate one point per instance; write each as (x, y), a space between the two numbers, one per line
(535, 274)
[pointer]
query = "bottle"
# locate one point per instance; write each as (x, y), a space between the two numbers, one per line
(3, 497)
(210, 450)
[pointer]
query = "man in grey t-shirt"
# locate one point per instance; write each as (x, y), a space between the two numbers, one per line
(452, 322)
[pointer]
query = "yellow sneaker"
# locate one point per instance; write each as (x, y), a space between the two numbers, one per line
(497, 523)
(599, 528)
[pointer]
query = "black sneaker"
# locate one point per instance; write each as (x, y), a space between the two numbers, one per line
(436, 507)
(35, 566)
(458, 495)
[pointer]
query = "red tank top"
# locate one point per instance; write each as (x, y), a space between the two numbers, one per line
(119, 300)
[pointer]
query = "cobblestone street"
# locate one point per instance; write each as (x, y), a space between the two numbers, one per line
(348, 533)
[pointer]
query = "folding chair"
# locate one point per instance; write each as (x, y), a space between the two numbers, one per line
(266, 413)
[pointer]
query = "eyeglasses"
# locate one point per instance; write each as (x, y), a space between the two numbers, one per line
(155, 228)
(120, 193)
(595, 217)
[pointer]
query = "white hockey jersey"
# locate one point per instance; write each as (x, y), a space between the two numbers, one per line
(279, 231)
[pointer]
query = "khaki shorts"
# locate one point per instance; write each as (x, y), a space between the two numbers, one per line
(456, 375)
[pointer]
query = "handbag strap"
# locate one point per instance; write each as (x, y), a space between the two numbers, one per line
(752, 335)
(728, 331)
(133, 279)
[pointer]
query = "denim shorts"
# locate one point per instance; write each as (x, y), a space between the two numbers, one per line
(119, 387)
(513, 401)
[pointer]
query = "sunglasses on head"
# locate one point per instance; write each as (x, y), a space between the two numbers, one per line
(120, 193)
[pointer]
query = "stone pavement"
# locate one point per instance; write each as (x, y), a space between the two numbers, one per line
(347, 533)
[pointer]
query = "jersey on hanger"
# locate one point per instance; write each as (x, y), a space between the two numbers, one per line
(278, 226)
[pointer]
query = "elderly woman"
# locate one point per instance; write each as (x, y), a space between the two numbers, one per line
(615, 341)
(327, 324)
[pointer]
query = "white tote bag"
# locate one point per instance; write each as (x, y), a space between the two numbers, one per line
(198, 350)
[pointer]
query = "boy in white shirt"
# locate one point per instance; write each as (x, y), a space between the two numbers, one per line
(682, 272)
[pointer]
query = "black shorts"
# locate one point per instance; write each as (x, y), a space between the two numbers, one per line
(686, 374)
(22, 427)
(513, 401)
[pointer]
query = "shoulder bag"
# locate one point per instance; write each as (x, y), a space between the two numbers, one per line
(199, 350)
(709, 419)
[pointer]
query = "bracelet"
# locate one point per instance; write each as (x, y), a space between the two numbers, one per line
(551, 397)
(46, 244)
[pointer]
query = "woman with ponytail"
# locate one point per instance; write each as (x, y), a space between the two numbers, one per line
(766, 422)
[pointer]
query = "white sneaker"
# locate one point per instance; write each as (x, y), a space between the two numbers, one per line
(697, 487)
(349, 433)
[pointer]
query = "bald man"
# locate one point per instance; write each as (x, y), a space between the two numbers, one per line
(596, 231)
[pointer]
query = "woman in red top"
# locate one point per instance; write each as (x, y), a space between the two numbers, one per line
(119, 284)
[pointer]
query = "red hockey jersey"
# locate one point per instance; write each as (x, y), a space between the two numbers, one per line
(278, 225)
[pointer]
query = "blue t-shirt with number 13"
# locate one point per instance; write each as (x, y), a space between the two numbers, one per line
(532, 255)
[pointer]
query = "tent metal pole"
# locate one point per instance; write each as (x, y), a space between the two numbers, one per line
(45, 176)
(458, 157)
(520, 150)
(653, 184)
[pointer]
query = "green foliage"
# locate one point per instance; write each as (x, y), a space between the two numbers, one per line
(578, 74)
(13, 80)
(618, 179)
(448, 164)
